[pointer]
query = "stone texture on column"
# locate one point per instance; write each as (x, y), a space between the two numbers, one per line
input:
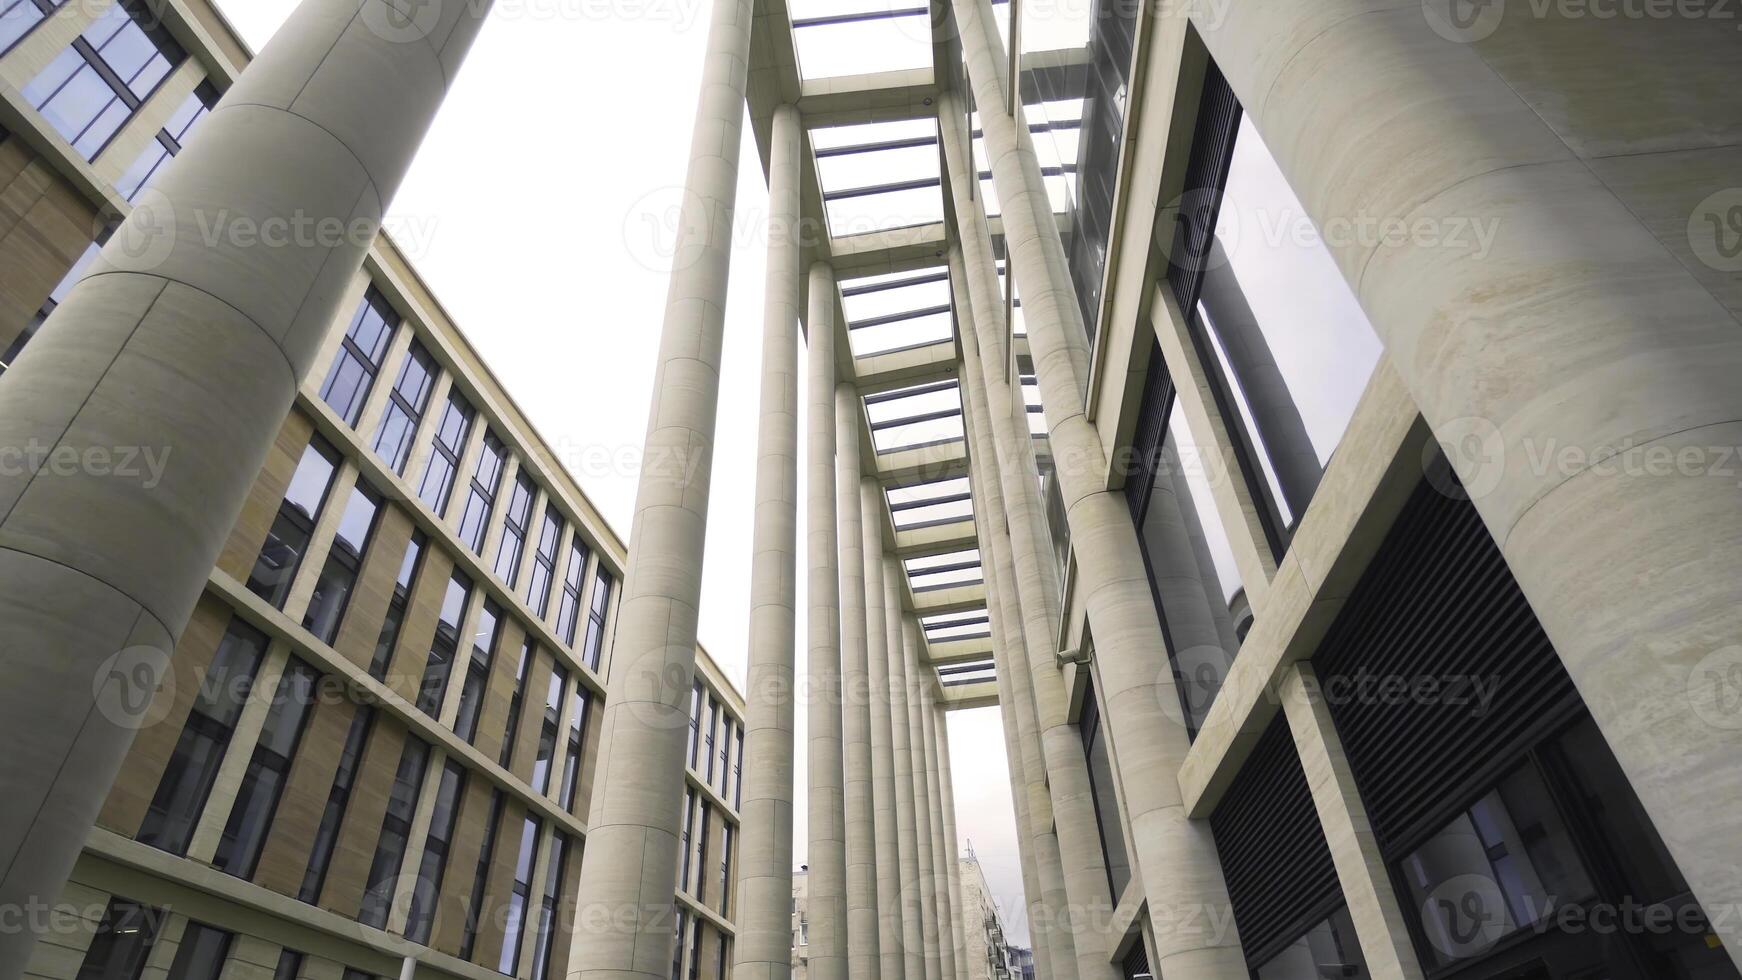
(188, 346)
(826, 887)
(623, 924)
(942, 854)
(764, 942)
(906, 822)
(951, 844)
(922, 799)
(1176, 857)
(864, 917)
(891, 939)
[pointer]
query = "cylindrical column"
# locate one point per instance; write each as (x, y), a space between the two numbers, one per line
(890, 937)
(952, 846)
(826, 888)
(764, 942)
(864, 959)
(184, 343)
(1176, 857)
(623, 926)
(922, 800)
(941, 853)
(906, 827)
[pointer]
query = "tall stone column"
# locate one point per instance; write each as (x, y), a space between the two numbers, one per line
(864, 917)
(826, 889)
(952, 846)
(623, 926)
(1176, 857)
(942, 854)
(187, 345)
(906, 826)
(1012, 495)
(922, 800)
(891, 938)
(764, 941)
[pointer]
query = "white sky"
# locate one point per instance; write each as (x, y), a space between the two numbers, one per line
(536, 219)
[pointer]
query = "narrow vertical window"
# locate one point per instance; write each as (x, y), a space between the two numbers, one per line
(738, 770)
(327, 834)
(281, 555)
(689, 822)
(360, 356)
(555, 867)
(696, 698)
(677, 945)
(544, 562)
(122, 941)
(568, 610)
(168, 140)
(90, 91)
(193, 766)
(514, 704)
(201, 953)
(257, 800)
(395, 831)
(700, 886)
(572, 762)
(481, 877)
(1101, 791)
(696, 949)
(514, 527)
(439, 669)
(553, 700)
(396, 606)
(596, 619)
(425, 893)
(478, 671)
(515, 927)
(727, 727)
(344, 563)
(708, 737)
(726, 868)
(481, 496)
(444, 461)
(405, 407)
(289, 965)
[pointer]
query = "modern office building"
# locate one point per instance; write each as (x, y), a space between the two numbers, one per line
(1313, 425)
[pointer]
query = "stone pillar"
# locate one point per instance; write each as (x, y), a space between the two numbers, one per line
(942, 853)
(189, 347)
(922, 798)
(623, 926)
(1631, 567)
(891, 940)
(764, 941)
(900, 684)
(826, 889)
(1176, 857)
(951, 844)
(864, 917)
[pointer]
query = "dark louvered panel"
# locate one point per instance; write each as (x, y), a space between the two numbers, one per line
(1136, 963)
(1437, 672)
(1206, 171)
(1146, 439)
(1273, 851)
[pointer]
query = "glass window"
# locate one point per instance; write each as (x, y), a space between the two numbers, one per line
(201, 953)
(726, 731)
(289, 965)
(1328, 949)
(281, 555)
(321, 854)
(696, 700)
(395, 831)
(725, 869)
(360, 355)
(700, 886)
(257, 800)
(122, 941)
(514, 527)
(544, 562)
(1101, 788)
(708, 738)
(515, 926)
(595, 644)
(894, 311)
(481, 877)
(568, 608)
(448, 443)
(556, 867)
(696, 949)
(396, 606)
(481, 496)
(344, 563)
(193, 766)
(427, 889)
(168, 141)
(18, 17)
(439, 668)
(478, 670)
(104, 76)
(553, 699)
(405, 407)
(514, 704)
(677, 945)
(689, 821)
(583, 701)
(857, 38)
(919, 415)
(882, 175)
(738, 771)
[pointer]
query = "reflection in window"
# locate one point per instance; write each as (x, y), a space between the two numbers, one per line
(568, 609)
(544, 562)
(486, 479)
(437, 671)
(1328, 949)
(434, 863)
(359, 358)
(515, 926)
(555, 867)
(481, 877)
(405, 407)
(484, 638)
(514, 704)
(595, 643)
(514, 527)
(168, 141)
(447, 445)
(547, 732)
(344, 562)
(123, 939)
(396, 606)
(395, 832)
(1107, 819)
(201, 953)
(104, 76)
(257, 800)
(338, 798)
(281, 555)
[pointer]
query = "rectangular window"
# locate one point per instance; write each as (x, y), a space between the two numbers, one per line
(321, 854)
(201, 953)
(544, 562)
(514, 527)
(689, 823)
(481, 877)
(568, 609)
(478, 671)
(169, 140)
(583, 702)
(1101, 791)
(696, 949)
(360, 355)
(700, 886)
(553, 700)
(726, 733)
(449, 442)
(257, 800)
(696, 698)
(122, 941)
(1328, 949)
(486, 479)
(104, 76)
(708, 738)
(19, 17)
(281, 555)
(678, 945)
(726, 869)
(193, 767)
(596, 619)
(289, 965)
(405, 407)
(396, 606)
(428, 888)
(738, 769)
(555, 867)
(514, 703)
(515, 927)
(395, 831)
(440, 667)
(344, 563)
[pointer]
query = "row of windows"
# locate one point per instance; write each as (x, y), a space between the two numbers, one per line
(687, 945)
(695, 875)
(103, 77)
(716, 751)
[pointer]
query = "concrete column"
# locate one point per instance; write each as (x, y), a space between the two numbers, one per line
(890, 937)
(922, 799)
(191, 348)
(952, 845)
(942, 853)
(1176, 857)
(906, 824)
(826, 888)
(864, 959)
(764, 942)
(1631, 567)
(623, 926)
